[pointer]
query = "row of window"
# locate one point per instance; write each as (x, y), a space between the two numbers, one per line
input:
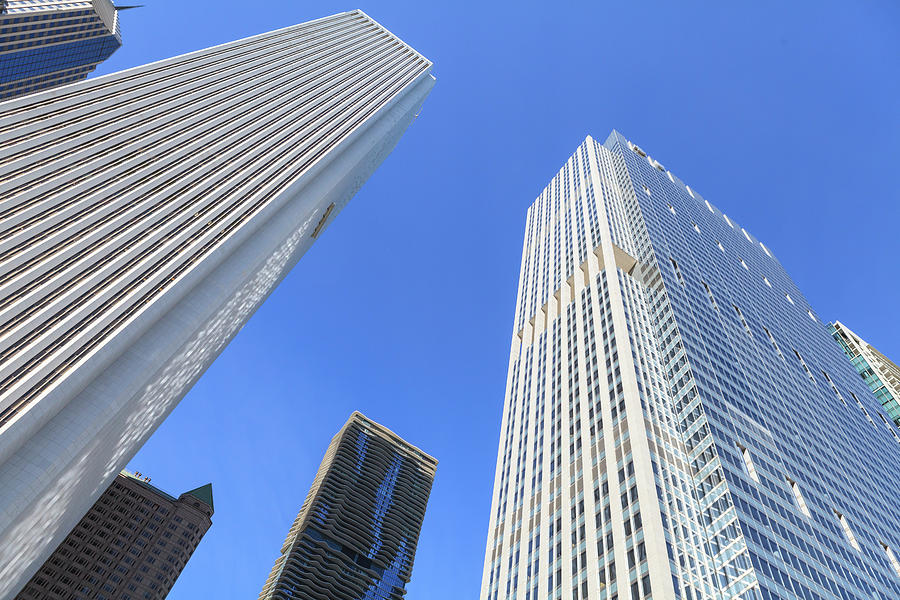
(803, 507)
(741, 260)
(660, 167)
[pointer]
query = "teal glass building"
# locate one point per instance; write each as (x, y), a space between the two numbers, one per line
(678, 422)
(880, 374)
(48, 43)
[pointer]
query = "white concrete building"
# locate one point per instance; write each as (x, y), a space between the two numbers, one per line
(144, 216)
(678, 424)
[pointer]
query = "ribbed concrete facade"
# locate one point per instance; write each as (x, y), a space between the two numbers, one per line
(356, 534)
(131, 545)
(48, 43)
(144, 216)
(678, 423)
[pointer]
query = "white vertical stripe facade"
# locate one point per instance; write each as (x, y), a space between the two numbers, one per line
(594, 493)
(572, 418)
(144, 216)
(657, 442)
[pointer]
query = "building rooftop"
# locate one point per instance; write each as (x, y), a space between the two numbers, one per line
(202, 493)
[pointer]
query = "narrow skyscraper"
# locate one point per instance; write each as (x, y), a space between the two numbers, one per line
(144, 216)
(880, 374)
(355, 537)
(48, 43)
(678, 423)
(131, 545)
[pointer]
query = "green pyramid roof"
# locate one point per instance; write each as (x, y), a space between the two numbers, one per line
(204, 494)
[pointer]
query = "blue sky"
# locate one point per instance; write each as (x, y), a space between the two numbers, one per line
(784, 115)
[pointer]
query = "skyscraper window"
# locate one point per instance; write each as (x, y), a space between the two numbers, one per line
(693, 421)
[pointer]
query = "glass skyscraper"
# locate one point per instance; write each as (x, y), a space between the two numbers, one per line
(47, 43)
(878, 371)
(355, 537)
(144, 216)
(678, 423)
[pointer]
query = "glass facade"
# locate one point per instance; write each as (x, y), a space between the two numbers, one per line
(47, 43)
(880, 374)
(356, 534)
(657, 437)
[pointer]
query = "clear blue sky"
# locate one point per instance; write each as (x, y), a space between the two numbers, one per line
(784, 114)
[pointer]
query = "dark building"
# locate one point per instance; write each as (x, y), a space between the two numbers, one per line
(355, 537)
(47, 43)
(131, 545)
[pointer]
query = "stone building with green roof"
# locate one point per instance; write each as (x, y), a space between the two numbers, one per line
(131, 545)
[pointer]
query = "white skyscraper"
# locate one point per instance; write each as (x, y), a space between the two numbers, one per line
(678, 424)
(144, 217)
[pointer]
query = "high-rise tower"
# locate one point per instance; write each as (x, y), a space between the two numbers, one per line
(678, 422)
(355, 537)
(47, 43)
(144, 216)
(878, 371)
(131, 545)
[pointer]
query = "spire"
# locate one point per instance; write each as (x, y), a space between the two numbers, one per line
(204, 494)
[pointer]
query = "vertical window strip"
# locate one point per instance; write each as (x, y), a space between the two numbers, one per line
(805, 368)
(743, 320)
(748, 463)
(834, 388)
(677, 272)
(848, 533)
(892, 558)
(798, 497)
(774, 343)
(710, 294)
(863, 408)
